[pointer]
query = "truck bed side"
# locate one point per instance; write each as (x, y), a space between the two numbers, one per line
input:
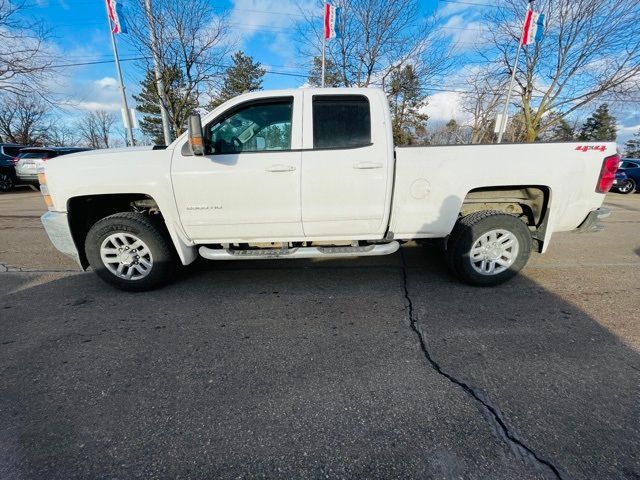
(432, 183)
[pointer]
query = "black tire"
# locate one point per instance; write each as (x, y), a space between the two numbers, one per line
(628, 187)
(469, 230)
(7, 182)
(147, 229)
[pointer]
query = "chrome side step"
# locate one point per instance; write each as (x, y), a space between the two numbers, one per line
(300, 252)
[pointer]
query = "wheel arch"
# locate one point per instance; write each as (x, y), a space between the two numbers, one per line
(528, 202)
(84, 211)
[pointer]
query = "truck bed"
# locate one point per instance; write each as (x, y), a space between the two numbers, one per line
(432, 182)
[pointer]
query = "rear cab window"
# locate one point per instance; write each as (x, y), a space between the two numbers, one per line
(11, 151)
(341, 121)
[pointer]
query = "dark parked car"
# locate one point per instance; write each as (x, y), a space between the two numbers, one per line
(33, 157)
(619, 181)
(8, 154)
(631, 168)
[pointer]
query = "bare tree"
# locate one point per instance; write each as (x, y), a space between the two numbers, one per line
(591, 48)
(451, 133)
(25, 63)
(482, 101)
(59, 134)
(23, 120)
(376, 37)
(191, 38)
(95, 128)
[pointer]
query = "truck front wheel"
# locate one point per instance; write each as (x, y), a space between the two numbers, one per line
(489, 247)
(130, 251)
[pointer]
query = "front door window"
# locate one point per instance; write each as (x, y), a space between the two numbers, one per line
(252, 128)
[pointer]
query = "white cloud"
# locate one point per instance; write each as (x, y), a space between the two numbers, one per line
(100, 94)
(449, 9)
(465, 32)
(107, 83)
(273, 20)
(445, 106)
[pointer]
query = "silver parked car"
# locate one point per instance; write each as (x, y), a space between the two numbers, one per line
(31, 158)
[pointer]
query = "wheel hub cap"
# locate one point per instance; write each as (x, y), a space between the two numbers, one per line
(126, 256)
(494, 252)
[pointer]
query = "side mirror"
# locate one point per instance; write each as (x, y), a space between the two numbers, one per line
(196, 138)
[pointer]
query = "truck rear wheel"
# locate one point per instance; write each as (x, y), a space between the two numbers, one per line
(130, 251)
(489, 247)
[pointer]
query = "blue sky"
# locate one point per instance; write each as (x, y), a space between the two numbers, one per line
(264, 29)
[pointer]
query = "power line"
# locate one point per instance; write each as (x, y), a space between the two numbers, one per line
(131, 59)
(305, 75)
(471, 3)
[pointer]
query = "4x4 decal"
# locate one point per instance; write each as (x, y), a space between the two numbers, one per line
(586, 148)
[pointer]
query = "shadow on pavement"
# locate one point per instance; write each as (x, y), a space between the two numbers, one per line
(304, 369)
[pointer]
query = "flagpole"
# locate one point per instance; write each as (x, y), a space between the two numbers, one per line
(159, 82)
(324, 48)
(503, 119)
(125, 105)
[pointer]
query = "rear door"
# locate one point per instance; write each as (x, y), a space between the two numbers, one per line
(346, 167)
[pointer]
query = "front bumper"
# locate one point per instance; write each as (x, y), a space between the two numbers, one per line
(591, 224)
(56, 224)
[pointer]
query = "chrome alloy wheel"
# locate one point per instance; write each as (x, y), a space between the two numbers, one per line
(494, 252)
(126, 256)
(627, 187)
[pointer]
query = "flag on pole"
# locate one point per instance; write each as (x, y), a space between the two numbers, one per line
(533, 28)
(114, 9)
(331, 21)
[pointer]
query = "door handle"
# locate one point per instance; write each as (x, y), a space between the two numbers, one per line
(367, 165)
(280, 168)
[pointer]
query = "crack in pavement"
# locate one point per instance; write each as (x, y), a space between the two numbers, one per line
(490, 412)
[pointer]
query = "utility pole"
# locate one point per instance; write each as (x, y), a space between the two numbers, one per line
(157, 67)
(503, 119)
(125, 105)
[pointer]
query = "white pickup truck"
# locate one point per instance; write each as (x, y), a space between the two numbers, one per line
(313, 173)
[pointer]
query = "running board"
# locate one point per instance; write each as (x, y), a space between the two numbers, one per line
(300, 252)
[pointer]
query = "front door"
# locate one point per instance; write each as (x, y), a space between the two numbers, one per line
(247, 186)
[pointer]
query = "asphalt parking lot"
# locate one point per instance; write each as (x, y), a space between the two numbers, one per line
(369, 368)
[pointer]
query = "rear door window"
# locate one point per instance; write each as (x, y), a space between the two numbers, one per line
(12, 151)
(341, 121)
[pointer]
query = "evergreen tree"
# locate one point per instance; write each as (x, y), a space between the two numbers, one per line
(407, 104)
(244, 75)
(601, 126)
(561, 132)
(632, 147)
(180, 104)
(332, 77)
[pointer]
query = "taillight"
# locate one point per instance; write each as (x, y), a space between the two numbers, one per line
(15, 160)
(608, 173)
